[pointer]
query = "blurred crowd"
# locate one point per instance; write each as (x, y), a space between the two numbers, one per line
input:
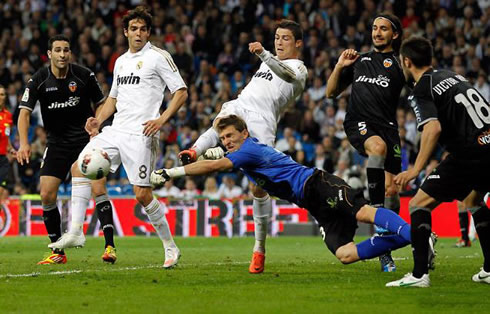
(209, 43)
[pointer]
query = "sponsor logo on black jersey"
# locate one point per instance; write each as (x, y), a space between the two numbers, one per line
(365, 59)
(381, 80)
(265, 75)
(387, 62)
(71, 102)
(416, 110)
(484, 138)
(51, 89)
(397, 151)
(72, 86)
(128, 79)
(332, 202)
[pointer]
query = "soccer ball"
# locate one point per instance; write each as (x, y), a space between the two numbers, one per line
(94, 163)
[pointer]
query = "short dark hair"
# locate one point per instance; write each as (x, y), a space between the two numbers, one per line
(233, 120)
(58, 37)
(396, 26)
(294, 27)
(417, 49)
(139, 13)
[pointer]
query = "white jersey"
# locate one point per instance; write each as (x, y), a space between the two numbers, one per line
(268, 94)
(138, 85)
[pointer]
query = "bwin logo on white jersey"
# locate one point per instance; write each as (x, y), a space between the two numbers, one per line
(266, 75)
(381, 80)
(128, 79)
(71, 102)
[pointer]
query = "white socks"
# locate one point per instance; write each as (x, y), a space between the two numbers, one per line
(262, 209)
(207, 140)
(156, 213)
(81, 192)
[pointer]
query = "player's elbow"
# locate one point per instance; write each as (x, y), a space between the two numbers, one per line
(183, 94)
(24, 116)
(330, 94)
(290, 77)
(433, 128)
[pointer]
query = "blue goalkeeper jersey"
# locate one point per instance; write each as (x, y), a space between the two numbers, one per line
(272, 170)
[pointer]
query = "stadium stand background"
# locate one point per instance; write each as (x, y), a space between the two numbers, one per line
(209, 43)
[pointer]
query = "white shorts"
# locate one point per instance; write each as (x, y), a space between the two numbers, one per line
(137, 153)
(259, 127)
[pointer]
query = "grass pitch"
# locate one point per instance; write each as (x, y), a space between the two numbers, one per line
(212, 277)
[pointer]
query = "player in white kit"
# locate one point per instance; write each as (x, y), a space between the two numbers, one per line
(140, 77)
(279, 81)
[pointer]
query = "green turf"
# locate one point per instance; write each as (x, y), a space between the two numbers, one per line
(301, 277)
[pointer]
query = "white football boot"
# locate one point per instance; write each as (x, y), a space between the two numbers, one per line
(172, 255)
(68, 240)
(410, 281)
(482, 277)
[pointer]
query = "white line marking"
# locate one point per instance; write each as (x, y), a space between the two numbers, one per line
(129, 268)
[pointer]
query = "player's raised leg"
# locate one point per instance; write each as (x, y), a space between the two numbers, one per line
(207, 140)
(376, 149)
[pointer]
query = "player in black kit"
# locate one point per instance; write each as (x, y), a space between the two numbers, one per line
(449, 111)
(370, 123)
(65, 92)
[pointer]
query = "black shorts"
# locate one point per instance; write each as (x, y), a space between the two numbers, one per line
(58, 159)
(4, 170)
(334, 204)
(455, 178)
(359, 131)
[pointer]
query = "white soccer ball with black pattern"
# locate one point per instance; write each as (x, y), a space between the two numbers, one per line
(94, 163)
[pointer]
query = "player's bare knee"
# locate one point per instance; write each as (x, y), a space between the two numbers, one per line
(391, 190)
(377, 147)
(345, 254)
(75, 171)
(98, 187)
(48, 196)
(144, 196)
(366, 214)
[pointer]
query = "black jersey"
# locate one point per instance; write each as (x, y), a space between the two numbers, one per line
(463, 112)
(65, 103)
(377, 80)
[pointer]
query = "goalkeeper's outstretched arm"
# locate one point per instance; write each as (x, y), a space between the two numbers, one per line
(202, 167)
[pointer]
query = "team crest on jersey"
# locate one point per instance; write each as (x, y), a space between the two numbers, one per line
(139, 65)
(387, 62)
(72, 86)
(363, 132)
